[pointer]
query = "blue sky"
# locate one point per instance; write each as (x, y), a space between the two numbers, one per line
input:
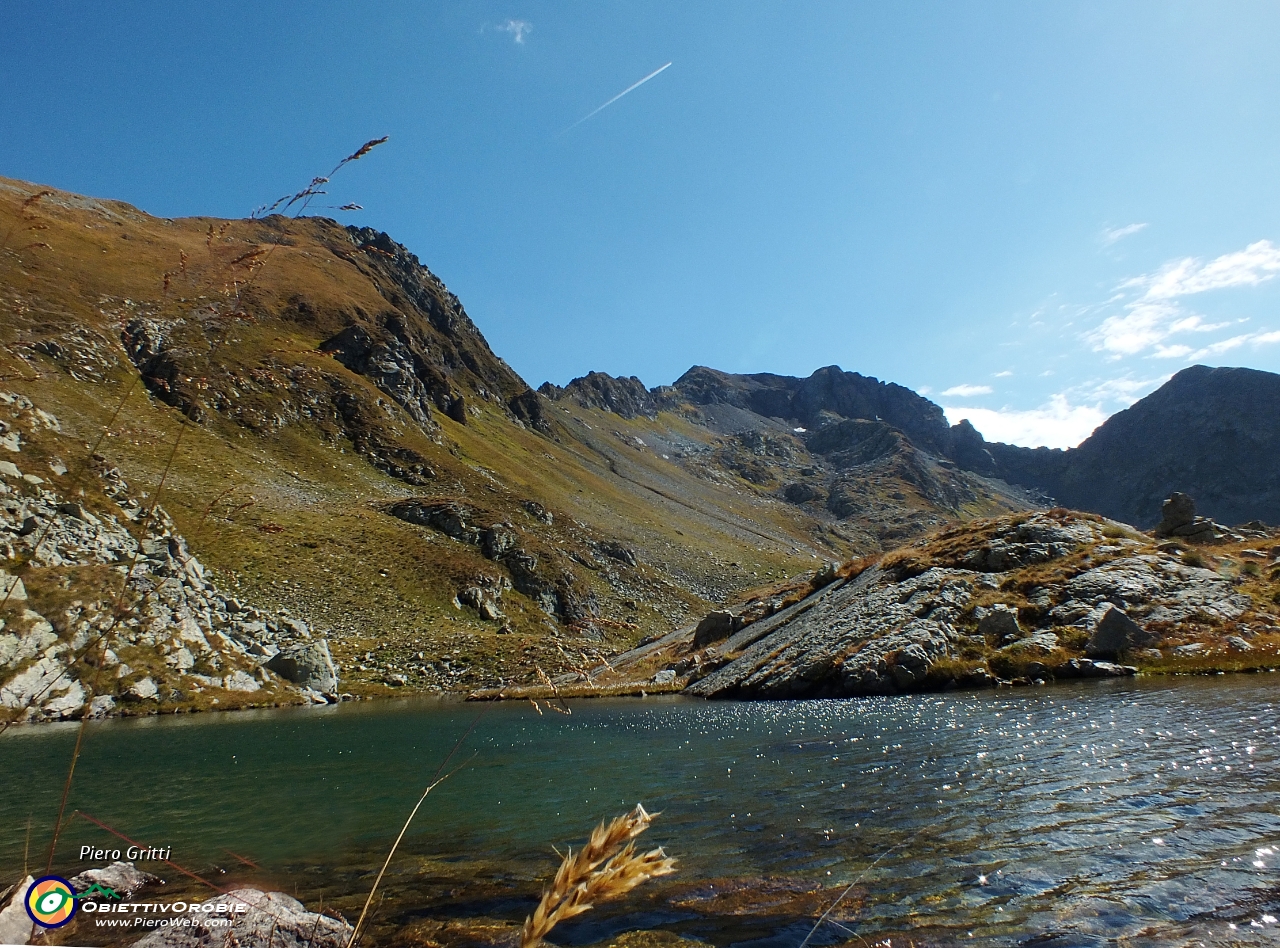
(1034, 213)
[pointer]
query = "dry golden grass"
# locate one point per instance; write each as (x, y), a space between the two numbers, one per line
(607, 867)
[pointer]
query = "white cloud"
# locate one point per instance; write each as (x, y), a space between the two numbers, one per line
(1059, 424)
(1257, 263)
(1003, 375)
(1125, 390)
(1216, 348)
(1156, 314)
(1111, 234)
(924, 390)
(967, 391)
(517, 28)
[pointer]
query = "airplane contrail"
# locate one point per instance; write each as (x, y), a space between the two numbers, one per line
(629, 88)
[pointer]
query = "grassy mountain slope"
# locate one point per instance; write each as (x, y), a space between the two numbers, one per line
(293, 381)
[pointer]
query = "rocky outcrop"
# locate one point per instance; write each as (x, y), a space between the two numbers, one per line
(867, 636)
(179, 635)
(828, 391)
(1178, 519)
(924, 618)
(1114, 632)
(504, 544)
(714, 627)
(309, 666)
(251, 917)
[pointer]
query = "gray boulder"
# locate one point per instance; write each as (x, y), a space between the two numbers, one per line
(144, 689)
(1178, 519)
(124, 878)
(910, 666)
(1114, 632)
(714, 627)
(11, 588)
(256, 918)
(484, 600)
(1043, 642)
(1176, 512)
(307, 666)
(1087, 668)
(1000, 621)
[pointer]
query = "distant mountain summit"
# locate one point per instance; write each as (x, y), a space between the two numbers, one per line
(1211, 433)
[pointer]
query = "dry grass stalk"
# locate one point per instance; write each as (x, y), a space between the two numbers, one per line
(607, 867)
(560, 708)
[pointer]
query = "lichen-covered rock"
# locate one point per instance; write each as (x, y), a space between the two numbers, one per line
(252, 917)
(123, 877)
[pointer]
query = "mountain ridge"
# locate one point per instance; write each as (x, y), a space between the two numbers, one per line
(1233, 409)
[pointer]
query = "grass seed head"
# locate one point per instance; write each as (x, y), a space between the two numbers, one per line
(608, 866)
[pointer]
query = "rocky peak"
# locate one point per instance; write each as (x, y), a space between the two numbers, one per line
(626, 397)
(828, 391)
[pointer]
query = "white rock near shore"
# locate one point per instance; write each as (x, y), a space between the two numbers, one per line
(15, 925)
(273, 918)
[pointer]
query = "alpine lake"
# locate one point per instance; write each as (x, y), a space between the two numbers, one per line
(1134, 812)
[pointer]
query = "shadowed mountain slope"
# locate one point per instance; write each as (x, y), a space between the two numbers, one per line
(1213, 433)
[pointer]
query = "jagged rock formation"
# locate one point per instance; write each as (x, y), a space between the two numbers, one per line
(1209, 432)
(873, 455)
(627, 397)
